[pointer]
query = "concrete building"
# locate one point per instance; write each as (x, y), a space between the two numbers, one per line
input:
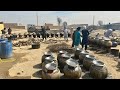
(77, 25)
(52, 27)
(1, 26)
(13, 25)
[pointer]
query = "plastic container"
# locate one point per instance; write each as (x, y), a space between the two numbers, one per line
(5, 49)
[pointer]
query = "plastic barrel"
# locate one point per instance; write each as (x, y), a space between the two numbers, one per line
(5, 49)
(1, 40)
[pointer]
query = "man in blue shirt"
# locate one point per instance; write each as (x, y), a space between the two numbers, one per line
(85, 34)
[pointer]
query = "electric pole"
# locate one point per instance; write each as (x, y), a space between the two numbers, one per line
(93, 21)
(37, 18)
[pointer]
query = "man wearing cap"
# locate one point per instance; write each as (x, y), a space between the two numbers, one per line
(85, 34)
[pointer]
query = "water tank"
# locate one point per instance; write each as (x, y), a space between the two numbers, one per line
(5, 49)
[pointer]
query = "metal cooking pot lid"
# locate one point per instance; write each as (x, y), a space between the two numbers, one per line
(90, 56)
(84, 52)
(78, 49)
(50, 58)
(65, 55)
(47, 53)
(50, 66)
(62, 51)
(98, 63)
(71, 62)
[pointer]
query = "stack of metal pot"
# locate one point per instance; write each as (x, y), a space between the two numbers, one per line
(49, 67)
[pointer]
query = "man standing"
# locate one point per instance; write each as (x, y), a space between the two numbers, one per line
(73, 38)
(4, 31)
(9, 31)
(85, 34)
(71, 31)
(43, 33)
(66, 34)
(77, 38)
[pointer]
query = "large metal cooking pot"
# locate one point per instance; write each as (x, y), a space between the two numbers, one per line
(48, 60)
(62, 61)
(72, 69)
(98, 70)
(88, 61)
(77, 53)
(51, 71)
(82, 56)
(35, 45)
(46, 54)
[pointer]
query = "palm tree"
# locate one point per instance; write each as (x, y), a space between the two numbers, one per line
(59, 20)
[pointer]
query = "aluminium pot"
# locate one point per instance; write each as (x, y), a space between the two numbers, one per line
(98, 70)
(88, 61)
(82, 56)
(46, 54)
(51, 71)
(72, 69)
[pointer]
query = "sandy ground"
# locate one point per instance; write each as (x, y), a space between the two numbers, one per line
(27, 63)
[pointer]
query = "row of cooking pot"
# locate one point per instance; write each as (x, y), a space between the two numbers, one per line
(47, 35)
(97, 68)
(71, 68)
(100, 41)
(51, 69)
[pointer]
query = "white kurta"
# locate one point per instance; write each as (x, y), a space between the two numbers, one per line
(108, 33)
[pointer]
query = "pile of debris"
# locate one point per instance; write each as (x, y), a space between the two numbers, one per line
(50, 41)
(26, 43)
(21, 43)
(56, 47)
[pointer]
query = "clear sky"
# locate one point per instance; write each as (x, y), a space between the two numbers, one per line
(72, 17)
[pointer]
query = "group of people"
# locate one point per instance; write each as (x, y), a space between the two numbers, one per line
(5, 31)
(80, 37)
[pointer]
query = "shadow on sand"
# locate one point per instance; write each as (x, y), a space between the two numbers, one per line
(38, 74)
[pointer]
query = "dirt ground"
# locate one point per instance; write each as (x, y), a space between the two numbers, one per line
(26, 64)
